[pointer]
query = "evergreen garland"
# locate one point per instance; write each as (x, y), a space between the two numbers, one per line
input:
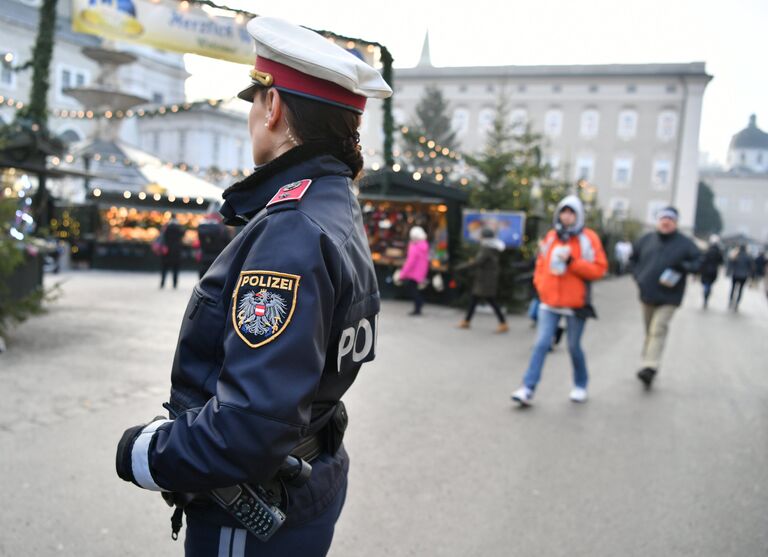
(37, 109)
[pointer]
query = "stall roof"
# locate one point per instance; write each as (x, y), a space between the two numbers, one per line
(402, 184)
(144, 173)
(172, 180)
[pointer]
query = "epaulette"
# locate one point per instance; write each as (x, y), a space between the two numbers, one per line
(291, 192)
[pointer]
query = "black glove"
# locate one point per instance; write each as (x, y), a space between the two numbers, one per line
(125, 450)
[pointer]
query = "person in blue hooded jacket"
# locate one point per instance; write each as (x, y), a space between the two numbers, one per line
(279, 326)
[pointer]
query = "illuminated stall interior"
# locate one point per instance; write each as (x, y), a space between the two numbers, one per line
(388, 221)
(394, 202)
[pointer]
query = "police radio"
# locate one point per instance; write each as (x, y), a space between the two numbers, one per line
(251, 505)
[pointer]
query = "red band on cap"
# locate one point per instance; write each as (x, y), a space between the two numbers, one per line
(290, 79)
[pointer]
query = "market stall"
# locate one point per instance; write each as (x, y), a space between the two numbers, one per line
(134, 196)
(392, 203)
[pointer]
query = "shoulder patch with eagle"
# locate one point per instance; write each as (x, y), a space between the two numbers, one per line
(263, 304)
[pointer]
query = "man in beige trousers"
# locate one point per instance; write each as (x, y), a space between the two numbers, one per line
(661, 261)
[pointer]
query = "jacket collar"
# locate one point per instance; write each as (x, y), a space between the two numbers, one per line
(244, 199)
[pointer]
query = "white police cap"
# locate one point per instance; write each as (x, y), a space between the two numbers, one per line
(298, 60)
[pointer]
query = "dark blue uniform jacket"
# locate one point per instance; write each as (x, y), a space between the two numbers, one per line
(274, 334)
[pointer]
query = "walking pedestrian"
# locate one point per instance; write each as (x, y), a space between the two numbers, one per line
(171, 246)
(740, 268)
(485, 280)
(759, 269)
(416, 267)
(213, 236)
(571, 258)
(661, 262)
(710, 266)
(281, 323)
(622, 251)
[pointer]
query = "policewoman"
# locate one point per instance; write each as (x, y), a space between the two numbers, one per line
(278, 328)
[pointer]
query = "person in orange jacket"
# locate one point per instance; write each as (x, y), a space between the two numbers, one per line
(571, 257)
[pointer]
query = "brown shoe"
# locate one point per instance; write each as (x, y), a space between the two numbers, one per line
(502, 328)
(463, 325)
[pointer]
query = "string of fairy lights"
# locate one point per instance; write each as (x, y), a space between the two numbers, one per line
(75, 114)
(429, 150)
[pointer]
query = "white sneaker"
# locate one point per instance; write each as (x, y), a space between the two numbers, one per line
(579, 394)
(523, 395)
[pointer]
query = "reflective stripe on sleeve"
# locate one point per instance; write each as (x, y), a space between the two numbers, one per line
(140, 457)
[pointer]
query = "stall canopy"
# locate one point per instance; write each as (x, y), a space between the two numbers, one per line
(121, 168)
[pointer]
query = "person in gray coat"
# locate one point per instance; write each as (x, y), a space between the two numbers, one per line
(661, 261)
(485, 282)
(740, 267)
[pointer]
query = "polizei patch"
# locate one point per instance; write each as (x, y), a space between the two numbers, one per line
(263, 304)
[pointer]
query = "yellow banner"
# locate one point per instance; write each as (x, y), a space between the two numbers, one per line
(166, 26)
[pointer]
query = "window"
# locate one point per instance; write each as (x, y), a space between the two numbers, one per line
(70, 77)
(490, 88)
(7, 75)
(745, 205)
(522, 88)
(157, 98)
(553, 162)
(622, 171)
(590, 122)
(216, 149)
(671, 88)
(760, 158)
(519, 120)
(557, 88)
(485, 120)
(460, 120)
(584, 170)
(666, 129)
(632, 88)
(155, 142)
(398, 115)
(619, 207)
(182, 145)
(462, 88)
(594, 88)
(553, 123)
(627, 125)
(721, 202)
(662, 173)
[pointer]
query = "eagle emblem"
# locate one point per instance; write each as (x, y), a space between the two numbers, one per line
(263, 305)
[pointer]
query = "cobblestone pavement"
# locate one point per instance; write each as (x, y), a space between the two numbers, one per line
(442, 462)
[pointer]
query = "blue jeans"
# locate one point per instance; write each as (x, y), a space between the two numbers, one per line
(547, 324)
(533, 309)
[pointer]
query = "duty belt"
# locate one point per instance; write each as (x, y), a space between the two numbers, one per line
(309, 448)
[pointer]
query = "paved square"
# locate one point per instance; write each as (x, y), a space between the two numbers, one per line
(442, 462)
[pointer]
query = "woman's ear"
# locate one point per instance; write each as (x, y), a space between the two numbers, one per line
(274, 108)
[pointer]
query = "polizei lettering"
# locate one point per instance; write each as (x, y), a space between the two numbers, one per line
(358, 344)
(266, 281)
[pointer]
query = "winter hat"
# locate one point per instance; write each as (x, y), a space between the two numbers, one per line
(417, 233)
(668, 212)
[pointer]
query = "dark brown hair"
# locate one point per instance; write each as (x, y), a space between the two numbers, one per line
(313, 121)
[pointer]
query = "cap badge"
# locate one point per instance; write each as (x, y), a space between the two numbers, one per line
(264, 78)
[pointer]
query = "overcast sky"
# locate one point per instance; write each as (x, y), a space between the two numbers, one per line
(731, 37)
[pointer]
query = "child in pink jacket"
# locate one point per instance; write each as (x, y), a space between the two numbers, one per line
(416, 266)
